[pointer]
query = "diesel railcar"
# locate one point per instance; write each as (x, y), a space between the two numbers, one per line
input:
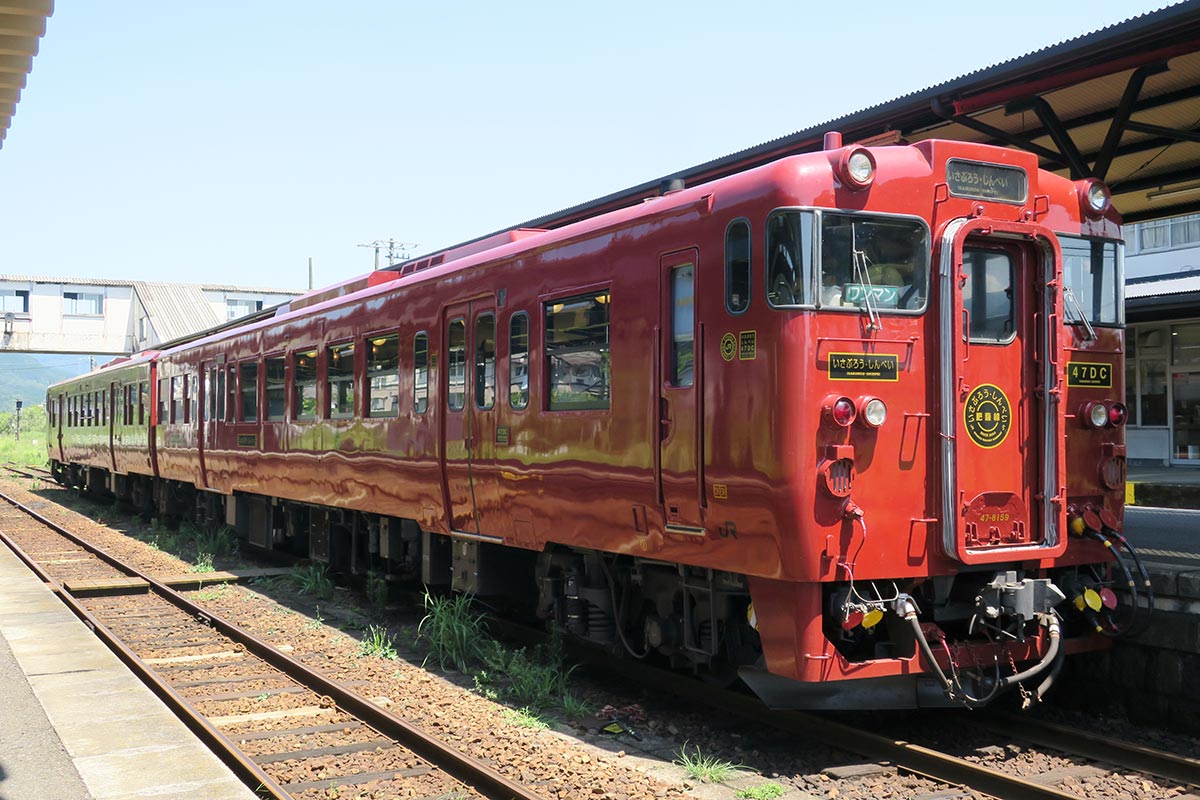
(847, 425)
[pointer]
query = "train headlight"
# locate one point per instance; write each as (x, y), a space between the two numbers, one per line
(1117, 414)
(1095, 195)
(873, 411)
(857, 168)
(1096, 415)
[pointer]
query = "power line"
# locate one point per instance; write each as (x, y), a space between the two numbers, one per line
(396, 251)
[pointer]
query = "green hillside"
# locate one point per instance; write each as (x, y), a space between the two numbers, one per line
(26, 376)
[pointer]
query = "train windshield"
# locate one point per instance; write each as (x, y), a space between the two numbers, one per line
(867, 262)
(1092, 280)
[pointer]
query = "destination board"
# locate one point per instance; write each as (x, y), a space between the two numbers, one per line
(986, 181)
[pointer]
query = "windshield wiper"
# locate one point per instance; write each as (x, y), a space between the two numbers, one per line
(1069, 297)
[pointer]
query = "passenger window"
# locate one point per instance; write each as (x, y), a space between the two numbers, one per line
(231, 392)
(219, 416)
(383, 376)
(194, 393)
(682, 325)
(339, 370)
(420, 373)
(248, 384)
(518, 360)
(577, 356)
(143, 390)
(987, 295)
(210, 393)
(737, 266)
(276, 377)
(789, 258)
(304, 372)
(485, 361)
(177, 399)
(456, 365)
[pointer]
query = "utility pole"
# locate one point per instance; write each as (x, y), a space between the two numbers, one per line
(395, 250)
(18, 419)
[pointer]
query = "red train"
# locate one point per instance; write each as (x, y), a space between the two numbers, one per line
(846, 425)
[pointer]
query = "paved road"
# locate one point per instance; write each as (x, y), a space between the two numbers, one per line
(1165, 535)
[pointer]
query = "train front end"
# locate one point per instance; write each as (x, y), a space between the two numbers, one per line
(962, 361)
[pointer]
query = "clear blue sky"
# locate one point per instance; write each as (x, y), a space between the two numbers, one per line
(228, 142)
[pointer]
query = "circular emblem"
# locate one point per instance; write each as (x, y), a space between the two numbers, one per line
(987, 415)
(728, 346)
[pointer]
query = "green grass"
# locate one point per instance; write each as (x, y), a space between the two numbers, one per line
(537, 680)
(764, 791)
(378, 642)
(218, 541)
(454, 632)
(30, 449)
(215, 593)
(707, 769)
(575, 708)
(203, 563)
(377, 589)
(524, 718)
(312, 578)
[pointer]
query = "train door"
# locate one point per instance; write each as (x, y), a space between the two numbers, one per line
(680, 374)
(470, 417)
(1003, 451)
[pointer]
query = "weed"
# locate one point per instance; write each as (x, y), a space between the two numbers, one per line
(524, 718)
(317, 621)
(218, 541)
(203, 563)
(284, 610)
(575, 708)
(764, 791)
(215, 593)
(312, 579)
(262, 698)
(99, 517)
(377, 589)
(378, 642)
(484, 688)
(708, 769)
(453, 630)
(535, 680)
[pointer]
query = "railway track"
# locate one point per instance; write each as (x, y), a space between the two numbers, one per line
(285, 729)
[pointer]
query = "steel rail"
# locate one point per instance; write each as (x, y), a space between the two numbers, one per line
(445, 757)
(1094, 746)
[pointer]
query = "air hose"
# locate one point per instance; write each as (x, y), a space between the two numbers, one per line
(1115, 535)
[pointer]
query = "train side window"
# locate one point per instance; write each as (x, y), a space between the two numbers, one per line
(143, 390)
(188, 397)
(577, 355)
(789, 258)
(383, 375)
(420, 372)
(304, 377)
(518, 360)
(248, 388)
(456, 365)
(127, 402)
(737, 266)
(339, 372)
(194, 393)
(485, 361)
(164, 397)
(210, 394)
(276, 378)
(231, 393)
(988, 296)
(177, 399)
(683, 323)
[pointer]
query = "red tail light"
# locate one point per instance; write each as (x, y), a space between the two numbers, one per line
(838, 411)
(1117, 413)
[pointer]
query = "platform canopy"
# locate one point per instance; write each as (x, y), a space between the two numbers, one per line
(1121, 104)
(22, 25)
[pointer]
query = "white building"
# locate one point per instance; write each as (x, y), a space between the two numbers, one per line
(80, 315)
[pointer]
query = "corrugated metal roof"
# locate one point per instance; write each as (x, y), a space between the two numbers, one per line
(1157, 285)
(175, 309)
(208, 287)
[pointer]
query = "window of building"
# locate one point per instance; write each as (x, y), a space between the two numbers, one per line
(275, 373)
(248, 388)
(339, 369)
(577, 355)
(518, 360)
(237, 308)
(383, 375)
(485, 361)
(1090, 271)
(682, 325)
(737, 266)
(456, 365)
(1166, 234)
(987, 295)
(304, 371)
(85, 304)
(15, 301)
(420, 372)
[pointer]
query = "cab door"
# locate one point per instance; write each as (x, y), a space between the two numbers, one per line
(469, 427)
(680, 444)
(1003, 451)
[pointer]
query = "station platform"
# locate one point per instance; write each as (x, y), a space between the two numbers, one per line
(75, 723)
(1164, 487)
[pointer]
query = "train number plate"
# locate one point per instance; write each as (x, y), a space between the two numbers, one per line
(863, 366)
(1087, 374)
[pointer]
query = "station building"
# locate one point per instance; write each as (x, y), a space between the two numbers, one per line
(86, 315)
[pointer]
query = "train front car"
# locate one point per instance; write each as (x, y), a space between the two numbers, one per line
(957, 393)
